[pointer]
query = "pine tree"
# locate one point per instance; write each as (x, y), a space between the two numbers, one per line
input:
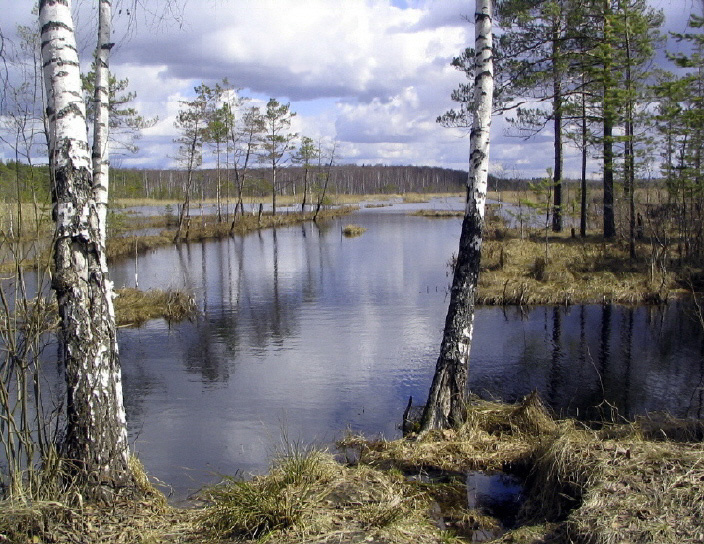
(276, 142)
(539, 49)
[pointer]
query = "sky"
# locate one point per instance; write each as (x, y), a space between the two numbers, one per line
(372, 75)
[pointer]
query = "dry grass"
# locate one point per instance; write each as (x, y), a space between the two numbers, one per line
(439, 213)
(494, 435)
(309, 497)
(640, 491)
(352, 231)
(36, 221)
(208, 228)
(582, 486)
(416, 198)
(128, 520)
(134, 307)
(137, 514)
(516, 271)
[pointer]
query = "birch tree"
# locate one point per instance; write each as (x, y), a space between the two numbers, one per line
(95, 441)
(448, 392)
(101, 126)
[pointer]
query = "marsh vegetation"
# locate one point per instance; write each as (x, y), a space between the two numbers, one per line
(636, 482)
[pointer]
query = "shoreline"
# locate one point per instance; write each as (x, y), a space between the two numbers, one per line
(636, 482)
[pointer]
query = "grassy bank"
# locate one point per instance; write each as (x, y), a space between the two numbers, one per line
(569, 270)
(640, 482)
(208, 228)
(336, 199)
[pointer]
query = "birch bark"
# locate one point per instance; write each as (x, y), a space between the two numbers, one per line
(448, 392)
(95, 441)
(101, 125)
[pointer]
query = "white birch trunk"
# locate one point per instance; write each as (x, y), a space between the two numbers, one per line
(448, 392)
(101, 126)
(96, 435)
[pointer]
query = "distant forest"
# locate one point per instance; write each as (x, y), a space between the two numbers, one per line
(344, 179)
(170, 184)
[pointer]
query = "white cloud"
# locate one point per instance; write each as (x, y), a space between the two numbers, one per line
(372, 73)
(368, 72)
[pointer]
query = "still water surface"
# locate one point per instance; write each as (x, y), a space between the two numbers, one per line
(306, 333)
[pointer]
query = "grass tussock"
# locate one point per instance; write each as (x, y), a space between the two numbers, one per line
(309, 497)
(134, 307)
(493, 436)
(352, 231)
(582, 485)
(57, 513)
(415, 198)
(127, 521)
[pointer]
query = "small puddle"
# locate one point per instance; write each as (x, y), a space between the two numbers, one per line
(493, 500)
(497, 495)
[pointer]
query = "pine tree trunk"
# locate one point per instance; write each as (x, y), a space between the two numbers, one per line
(609, 117)
(448, 392)
(95, 441)
(583, 198)
(557, 118)
(273, 189)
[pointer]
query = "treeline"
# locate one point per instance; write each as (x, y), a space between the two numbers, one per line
(20, 181)
(32, 182)
(344, 179)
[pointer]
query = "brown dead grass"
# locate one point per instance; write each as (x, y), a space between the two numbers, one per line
(582, 486)
(134, 307)
(576, 271)
(309, 497)
(439, 213)
(352, 231)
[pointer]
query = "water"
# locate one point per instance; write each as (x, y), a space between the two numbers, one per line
(306, 333)
(497, 495)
